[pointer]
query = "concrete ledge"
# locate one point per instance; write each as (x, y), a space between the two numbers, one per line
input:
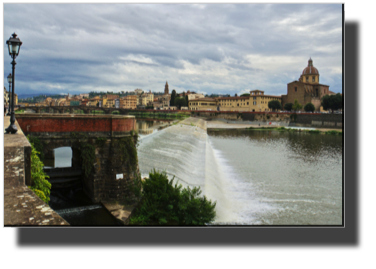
(21, 205)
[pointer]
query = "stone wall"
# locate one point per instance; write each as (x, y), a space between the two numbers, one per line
(112, 173)
(21, 205)
(302, 119)
(319, 120)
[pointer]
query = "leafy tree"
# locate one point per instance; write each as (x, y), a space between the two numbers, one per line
(245, 94)
(333, 102)
(288, 106)
(309, 107)
(296, 106)
(275, 105)
(163, 202)
(40, 184)
(236, 95)
(173, 96)
(180, 101)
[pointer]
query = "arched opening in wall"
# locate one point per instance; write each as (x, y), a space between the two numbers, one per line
(317, 92)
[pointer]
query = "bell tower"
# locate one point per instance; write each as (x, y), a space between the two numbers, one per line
(166, 88)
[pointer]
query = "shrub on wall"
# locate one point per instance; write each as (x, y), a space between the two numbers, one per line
(38, 145)
(39, 183)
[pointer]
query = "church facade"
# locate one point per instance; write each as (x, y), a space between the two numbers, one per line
(307, 89)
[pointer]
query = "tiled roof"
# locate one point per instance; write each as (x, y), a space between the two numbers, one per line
(203, 99)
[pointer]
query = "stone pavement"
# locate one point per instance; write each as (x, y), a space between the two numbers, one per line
(21, 205)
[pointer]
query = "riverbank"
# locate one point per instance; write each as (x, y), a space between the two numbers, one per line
(218, 125)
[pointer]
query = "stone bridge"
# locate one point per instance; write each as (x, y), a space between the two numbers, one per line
(103, 145)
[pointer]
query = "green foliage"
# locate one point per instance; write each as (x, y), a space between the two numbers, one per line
(314, 131)
(38, 145)
(39, 184)
(333, 102)
(87, 157)
(332, 132)
(275, 105)
(76, 135)
(245, 94)
(309, 107)
(100, 141)
(164, 202)
(173, 96)
(293, 117)
(288, 106)
(296, 106)
(180, 101)
(128, 150)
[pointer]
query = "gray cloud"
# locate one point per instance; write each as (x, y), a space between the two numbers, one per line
(213, 48)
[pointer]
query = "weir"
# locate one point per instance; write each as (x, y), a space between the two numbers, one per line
(184, 152)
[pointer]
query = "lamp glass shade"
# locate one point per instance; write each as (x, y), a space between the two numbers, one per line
(14, 45)
(15, 48)
(9, 78)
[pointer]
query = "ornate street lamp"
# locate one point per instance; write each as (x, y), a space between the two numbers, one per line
(10, 82)
(14, 45)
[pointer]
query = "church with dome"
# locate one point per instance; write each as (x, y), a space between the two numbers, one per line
(307, 89)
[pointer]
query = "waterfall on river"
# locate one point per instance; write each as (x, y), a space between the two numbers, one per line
(185, 153)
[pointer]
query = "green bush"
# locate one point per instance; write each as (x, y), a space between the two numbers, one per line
(332, 132)
(288, 106)
(309, 107)
(38, 145)
(39, 184)
(165, 203)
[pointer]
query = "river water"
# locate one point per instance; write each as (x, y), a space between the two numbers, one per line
(256, 177)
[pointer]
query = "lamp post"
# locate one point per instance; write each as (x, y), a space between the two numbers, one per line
(10, 82)
(14, 45)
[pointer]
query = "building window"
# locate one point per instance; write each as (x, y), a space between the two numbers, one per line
(296, 89)
(254, 98)
(254, 103)
(306, 79)
(313, 79)
(247, 103)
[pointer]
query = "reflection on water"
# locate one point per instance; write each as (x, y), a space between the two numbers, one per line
(296, 177)
(146, 126)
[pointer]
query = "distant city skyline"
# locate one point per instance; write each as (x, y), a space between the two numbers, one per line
(206, 48)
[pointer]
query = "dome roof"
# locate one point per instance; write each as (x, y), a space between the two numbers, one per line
(310, 69)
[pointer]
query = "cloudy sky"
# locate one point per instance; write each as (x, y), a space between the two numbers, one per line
(214, 48)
